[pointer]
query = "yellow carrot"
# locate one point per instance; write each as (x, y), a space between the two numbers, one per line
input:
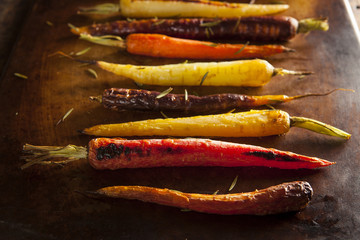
(255, 123)
(250, 73)
(195, 8)
(181, 8)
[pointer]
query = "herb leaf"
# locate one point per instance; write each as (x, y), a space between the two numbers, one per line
(65, 116)
(159, 22)
(83, 51)
(49, 23)
(242, 48)
(20, 75)
(203, 78)
(164, 93)
(163, 114)
(236, 25)
(92, 72)
(233, 183)
(210, 24)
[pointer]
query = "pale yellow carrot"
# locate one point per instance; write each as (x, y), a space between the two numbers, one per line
(181, 8)
(250, 73)
(195, 8)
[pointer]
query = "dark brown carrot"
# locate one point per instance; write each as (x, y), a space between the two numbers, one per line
(121, 99)
(263, 29)
(285, 197)
(106, 153)
(158, 45)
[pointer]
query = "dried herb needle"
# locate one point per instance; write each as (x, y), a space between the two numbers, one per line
(164, 93)
(92, 72)
(19, 75)
(233, 183)
(203, 78)
(65, 116)
(82, 52)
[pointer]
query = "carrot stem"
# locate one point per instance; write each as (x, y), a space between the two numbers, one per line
(319, 127)
(101, 10)
(40, 154)
(311, 24)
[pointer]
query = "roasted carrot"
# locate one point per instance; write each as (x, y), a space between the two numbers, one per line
(285, 197)
(261, 29)
(121, 99)
(105, 153)
(181, 8)
(240, 73)
(254, 123)
(157, 45)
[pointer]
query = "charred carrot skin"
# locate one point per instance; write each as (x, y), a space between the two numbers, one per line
(285, 197)
(158, 45)
(107, 153)
(262, 29)
(121, 99)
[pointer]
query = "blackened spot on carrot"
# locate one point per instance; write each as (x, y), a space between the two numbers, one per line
(138, 150)
(127, 151)
(171, 150)
(109, 151)
(272, 156)
(148, 152)
(100, 153)
(120, 149)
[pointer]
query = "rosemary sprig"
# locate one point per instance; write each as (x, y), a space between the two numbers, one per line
(159, 22)
(242, 48)
(83, 51)
(92, 72)
(164, 93)
(65, 116)
(163, 114)
(233, 183)
(210, 24)
(236, 25)
(19, 75)
(203, 78)
(49, 23)
(211, 31)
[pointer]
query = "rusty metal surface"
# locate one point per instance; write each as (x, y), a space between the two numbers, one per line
(42, 202)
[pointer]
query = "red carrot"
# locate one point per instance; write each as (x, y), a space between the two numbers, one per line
(157, 45)
(286, 197)
(106, 153)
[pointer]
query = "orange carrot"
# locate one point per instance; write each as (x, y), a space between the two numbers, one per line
(286, 197)
(158, 45)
